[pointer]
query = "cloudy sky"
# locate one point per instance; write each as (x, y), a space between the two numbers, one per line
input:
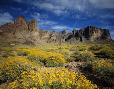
(61, 14)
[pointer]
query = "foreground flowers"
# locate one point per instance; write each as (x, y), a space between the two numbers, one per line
(52, 78)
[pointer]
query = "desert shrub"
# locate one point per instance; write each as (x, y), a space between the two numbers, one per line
(79, 48)
(73, 56)
(82, 48)
(103, 69)
(82, 56)
(95, 47)
(36, 59)
(22, 53)
(6, 52)
(6, 49)
(106, 52)
(50, 62)
(51, 78)
(12, 67)
(49, 59)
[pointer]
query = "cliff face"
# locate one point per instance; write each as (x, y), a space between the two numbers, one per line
(93, 33)
(19, 24)
(90, 33)
(27, 32)
(19, 31)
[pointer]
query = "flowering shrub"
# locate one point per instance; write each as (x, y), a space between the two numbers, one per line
(104, 69)
(96, 47)
(6, 52)
(45, 57)
(51, 78)
(12, 67)
(82, 56)
(106, 52)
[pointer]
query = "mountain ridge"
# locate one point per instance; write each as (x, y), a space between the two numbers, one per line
(27, 32)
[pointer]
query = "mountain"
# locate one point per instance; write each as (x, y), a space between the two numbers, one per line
(90, 33)
(23, 31)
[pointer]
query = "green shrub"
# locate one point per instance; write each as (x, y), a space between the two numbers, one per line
(95, 47)
(82, 48)
(50, 62)
(82, 56)
(6, 49)
(106, 52)
(22, 53)
(37, 60)
(7, 54)
(12, 67)
(104, 69)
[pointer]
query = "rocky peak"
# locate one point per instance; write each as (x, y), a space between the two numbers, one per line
(32, 25)
(20, 20)
(21, 23)
(94, 33)
(90, 33)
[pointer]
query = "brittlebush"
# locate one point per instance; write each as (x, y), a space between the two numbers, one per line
(51, 78)
(103, 67)
(12, 67)
(44, 56)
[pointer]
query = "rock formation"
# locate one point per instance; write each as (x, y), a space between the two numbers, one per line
(32, 25)
(21, 22)
(20, 30)
(27, 32)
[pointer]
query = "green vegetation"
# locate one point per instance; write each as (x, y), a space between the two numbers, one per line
(43, 66)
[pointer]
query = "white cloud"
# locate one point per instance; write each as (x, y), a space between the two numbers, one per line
(102, 3)
(105, 16)
(60, 27)
(47, 23)
(5, 18)
(62, 7)
(36, 16)
(42, 19)
(57, 9)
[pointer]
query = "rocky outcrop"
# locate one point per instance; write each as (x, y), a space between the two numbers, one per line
(90, 33)
(27, 32)
(19, 24)
(20, 30)
(32, 25)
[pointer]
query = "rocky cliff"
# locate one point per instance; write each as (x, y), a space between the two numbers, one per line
(90, 33)
(27, 32)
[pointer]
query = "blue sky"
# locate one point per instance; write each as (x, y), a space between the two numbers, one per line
(61, 14)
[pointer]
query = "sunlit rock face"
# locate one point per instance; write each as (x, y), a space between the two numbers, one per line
(27, 32)
(20, 31)
(32, 25)
(21, 23)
